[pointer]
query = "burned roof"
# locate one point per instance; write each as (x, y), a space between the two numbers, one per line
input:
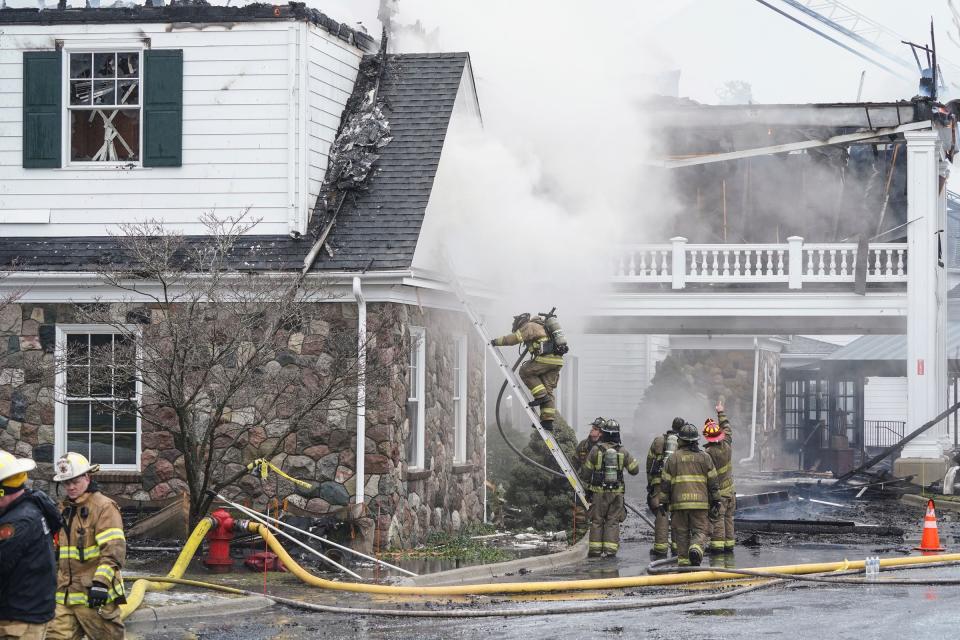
(187, 13)
(376, 229)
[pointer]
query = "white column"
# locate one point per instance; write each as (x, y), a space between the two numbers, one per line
(926, 293)
(678, 266)
(795, 262)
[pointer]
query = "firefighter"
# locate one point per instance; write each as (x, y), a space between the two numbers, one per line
(661, 448)
(542, 372)
(585, 445)
(28, 567)
(688, 490)
(719, 445)
(92, 552)
(603, 473)
(582, 451)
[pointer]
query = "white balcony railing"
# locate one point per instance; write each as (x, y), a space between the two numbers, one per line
(793, 263)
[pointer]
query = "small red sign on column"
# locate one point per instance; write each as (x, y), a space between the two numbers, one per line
(920, 367)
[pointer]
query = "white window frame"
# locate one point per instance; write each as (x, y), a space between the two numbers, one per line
(65, 139)
(460, 357)
(60, 388)
(417, 393)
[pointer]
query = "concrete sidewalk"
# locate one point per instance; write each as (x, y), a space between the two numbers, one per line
(147, 617)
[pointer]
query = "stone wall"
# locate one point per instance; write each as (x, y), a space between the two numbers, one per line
(697, 378)
(404, 507)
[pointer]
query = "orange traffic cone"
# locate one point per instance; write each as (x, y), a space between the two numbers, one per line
(930, 540)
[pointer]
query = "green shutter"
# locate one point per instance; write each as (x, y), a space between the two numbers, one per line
(163, 108)
(41, 109)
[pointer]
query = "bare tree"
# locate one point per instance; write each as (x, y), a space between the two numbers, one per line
(213, 355)
(8, 311)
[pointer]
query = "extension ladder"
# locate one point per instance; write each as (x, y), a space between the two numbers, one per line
(519, 389)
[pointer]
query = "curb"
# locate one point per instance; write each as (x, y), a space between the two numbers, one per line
(151, 616)
(943, 503)
(466, 575)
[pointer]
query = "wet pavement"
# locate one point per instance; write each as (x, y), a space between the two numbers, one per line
(796, 610)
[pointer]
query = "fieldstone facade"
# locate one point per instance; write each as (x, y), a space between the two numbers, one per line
(400, 508)
(710, 374)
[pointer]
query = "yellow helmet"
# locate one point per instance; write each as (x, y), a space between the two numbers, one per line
(13, 471)
(73, 465)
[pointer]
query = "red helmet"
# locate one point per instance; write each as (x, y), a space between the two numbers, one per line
(712, 431)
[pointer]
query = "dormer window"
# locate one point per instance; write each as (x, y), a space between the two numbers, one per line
(104, 106)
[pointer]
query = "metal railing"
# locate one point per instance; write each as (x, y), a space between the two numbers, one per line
(793, 263)
(882, 433)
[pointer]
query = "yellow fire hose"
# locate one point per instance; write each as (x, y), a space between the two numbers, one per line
(572, 585)
(141, 586)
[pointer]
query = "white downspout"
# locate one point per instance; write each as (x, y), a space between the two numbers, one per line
(361, 386)
(756, 386)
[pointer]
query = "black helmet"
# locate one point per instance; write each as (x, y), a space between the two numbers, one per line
(610, 426)
(520, 320)
(688, 433)
(598, 422)
(677, 424)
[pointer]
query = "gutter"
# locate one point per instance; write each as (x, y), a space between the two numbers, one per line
(361, 387)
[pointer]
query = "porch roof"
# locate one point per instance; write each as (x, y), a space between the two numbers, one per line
(880, 347)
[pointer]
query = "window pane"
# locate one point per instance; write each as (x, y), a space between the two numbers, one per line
(128, 64)
(104, 136)
(104, 92)
(80, 92)
(77, 346)
(78, 443)
(413, 415)
(80, 65)
(101, 451)
(78, 416)
(101, 418)
(125, 451)
(125, 418)
(104, 65)
(128, 92)
(77, 386)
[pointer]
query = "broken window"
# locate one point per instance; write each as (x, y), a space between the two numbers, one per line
(98, 415)
(104, 106)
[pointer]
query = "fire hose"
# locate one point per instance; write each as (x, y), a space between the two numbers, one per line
(533, 462)
(777, 576)
(591, 607)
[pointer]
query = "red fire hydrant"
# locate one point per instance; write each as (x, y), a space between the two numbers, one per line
(218, 558)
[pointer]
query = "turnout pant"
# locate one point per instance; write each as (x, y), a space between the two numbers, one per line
(80, 621)
(542, 379)
(690, 531)
(606, 514)
(661, 526)
(15, 630)
(721, 526)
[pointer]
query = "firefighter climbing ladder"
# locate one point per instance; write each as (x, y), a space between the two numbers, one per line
(519, 389)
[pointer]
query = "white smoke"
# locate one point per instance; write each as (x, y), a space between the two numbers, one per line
(535, 203)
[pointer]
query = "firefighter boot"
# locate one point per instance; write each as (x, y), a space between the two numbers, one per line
(695, 554)
(546, 425)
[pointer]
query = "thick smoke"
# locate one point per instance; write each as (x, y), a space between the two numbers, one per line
(535, 202)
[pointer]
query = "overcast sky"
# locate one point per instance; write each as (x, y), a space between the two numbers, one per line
(710, 41)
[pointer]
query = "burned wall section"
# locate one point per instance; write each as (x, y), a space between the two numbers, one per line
(825, 194)
(688, 383)
(407, 507)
